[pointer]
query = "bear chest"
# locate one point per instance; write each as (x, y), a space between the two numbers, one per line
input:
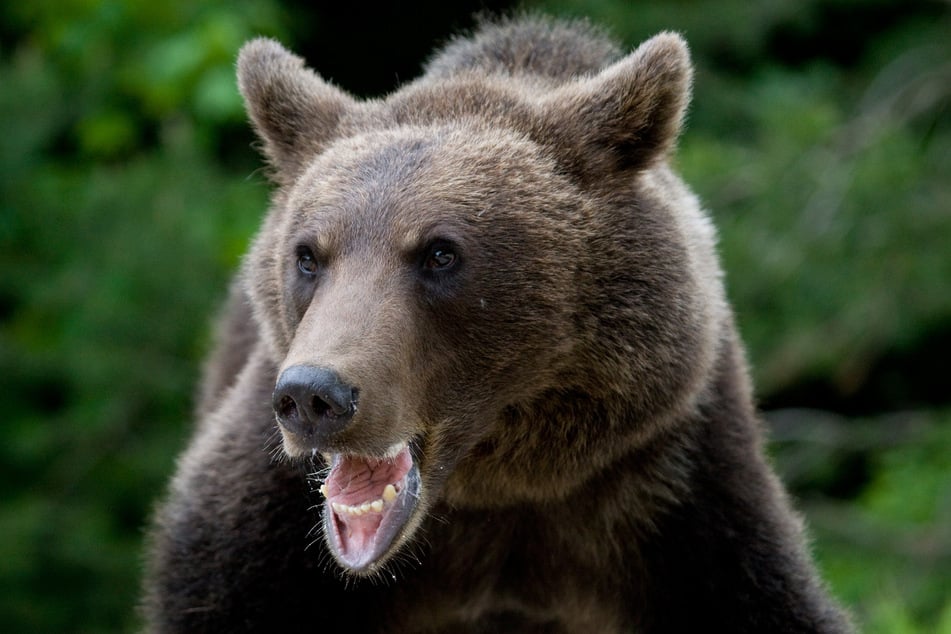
(510, 571)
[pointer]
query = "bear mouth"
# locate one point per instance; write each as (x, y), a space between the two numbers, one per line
(368, 502)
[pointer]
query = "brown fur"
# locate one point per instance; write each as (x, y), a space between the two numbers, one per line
(574, 392)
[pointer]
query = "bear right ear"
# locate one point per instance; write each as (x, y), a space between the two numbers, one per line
(294, 111)
(627, 116)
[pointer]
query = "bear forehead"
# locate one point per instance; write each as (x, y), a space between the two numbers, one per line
(419, 175)
(498, 101)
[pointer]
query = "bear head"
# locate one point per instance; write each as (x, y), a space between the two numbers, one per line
(469, 286)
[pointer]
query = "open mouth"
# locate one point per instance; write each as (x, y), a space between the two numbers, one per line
(368, 503)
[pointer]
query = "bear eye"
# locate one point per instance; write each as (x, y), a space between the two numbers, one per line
(306, 262)
(441, 256)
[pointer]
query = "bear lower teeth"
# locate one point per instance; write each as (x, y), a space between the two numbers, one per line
(376, 506)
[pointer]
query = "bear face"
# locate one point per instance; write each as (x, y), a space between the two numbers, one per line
(456, 278)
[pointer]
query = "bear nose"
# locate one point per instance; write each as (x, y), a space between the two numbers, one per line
(313, 402)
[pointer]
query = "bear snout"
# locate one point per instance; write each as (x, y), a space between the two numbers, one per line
(313, 403)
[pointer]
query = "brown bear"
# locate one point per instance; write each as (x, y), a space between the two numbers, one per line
(478, 372)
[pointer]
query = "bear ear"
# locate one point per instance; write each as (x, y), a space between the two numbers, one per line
(628, 115)
(294, 111)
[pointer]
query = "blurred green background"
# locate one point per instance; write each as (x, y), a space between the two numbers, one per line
(819, 139)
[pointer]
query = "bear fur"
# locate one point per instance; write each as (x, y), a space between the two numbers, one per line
(522, 304)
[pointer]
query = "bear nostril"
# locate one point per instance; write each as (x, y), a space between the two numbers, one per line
(287, 409)
(334, 400)
(322, 408)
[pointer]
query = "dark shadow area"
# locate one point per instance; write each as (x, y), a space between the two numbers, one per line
(388, 47)
(911, 377)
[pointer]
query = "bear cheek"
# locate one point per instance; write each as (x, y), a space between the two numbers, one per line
(500, 353)
(269, 305)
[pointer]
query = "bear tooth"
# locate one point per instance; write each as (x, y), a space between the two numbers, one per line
(389, 493)
(394, 450)
(376, 506)
(323, 490)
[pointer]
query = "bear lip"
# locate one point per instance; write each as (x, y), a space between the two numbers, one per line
(368, 502)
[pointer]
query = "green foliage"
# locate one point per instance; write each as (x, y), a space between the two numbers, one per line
(118, 229)
(818, 138)
(845, 215)
(887, 551)
(126, 65)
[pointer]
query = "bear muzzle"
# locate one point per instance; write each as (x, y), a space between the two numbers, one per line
(313, 403)
(369, 501)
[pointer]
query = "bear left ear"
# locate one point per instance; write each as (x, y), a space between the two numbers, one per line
(294, 111)
(628, 115)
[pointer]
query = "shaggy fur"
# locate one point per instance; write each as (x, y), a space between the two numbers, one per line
(572, 389)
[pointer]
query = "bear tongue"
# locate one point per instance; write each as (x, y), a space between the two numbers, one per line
(358, 534)
(360, 539)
